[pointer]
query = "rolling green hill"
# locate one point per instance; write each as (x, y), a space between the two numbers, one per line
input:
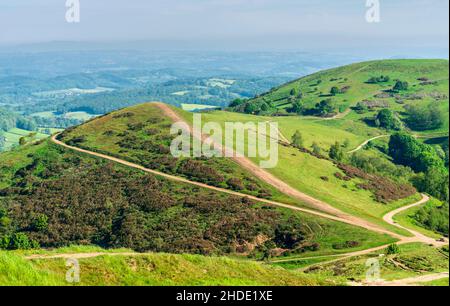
(127, 191)
(427, 79)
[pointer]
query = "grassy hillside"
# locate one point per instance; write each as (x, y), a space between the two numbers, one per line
(130, 134)
(150, 270)
(13, 136)
(306, 172)
(53, 196)
(428, 83)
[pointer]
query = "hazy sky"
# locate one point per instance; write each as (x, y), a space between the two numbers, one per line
(239, 23)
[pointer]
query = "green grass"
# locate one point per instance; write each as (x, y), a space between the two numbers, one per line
(301, 171)
(356, 75)
(324, 232)
(444, 282)
(304, 172)
(150, 270)
(13, 136)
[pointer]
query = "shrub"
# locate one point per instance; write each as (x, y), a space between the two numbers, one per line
(400, 86)
(297, 140)
(424, 118)
(40, 224)
(388, 119)
(346, 245)
(380, 79)
(235, 184)
(393, 249)
(336, 152)
(20, 241)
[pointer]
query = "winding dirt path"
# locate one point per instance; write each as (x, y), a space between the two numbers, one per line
(412, 281)
(389, 218)
(81, 255)
(341, 217)
(365, 143)
(230, 192)
(269, 178)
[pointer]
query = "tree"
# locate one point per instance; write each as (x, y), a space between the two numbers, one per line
(297, 107)
(293, 92)
(316, 149)
(40, 224)
(250, 108)
(434, 218)
(325, 107)
(336, 152)
(393, 249)
(22, 141)
(236, 102)
(297, 140)
(335, 90)
(264, 107)
(401, 86)
(422, 118)
(408, 151)
(387, 119)
(434, 182)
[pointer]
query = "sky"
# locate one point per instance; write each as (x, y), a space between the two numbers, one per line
(239, 24)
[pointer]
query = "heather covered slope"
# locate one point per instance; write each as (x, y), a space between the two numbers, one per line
(52, 197)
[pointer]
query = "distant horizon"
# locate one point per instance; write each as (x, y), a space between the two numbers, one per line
(179, 46)
(411, 27)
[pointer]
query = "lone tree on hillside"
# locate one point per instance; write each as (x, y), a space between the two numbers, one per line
(401, 86)
(297, 140)
(336, 152)
(316, 149)
(335, 90)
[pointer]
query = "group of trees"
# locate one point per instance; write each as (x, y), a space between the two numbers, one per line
(9, 120)
(407, 150)
(388, 120)
(421, 118)
(424, 159)
(434, 218)
(325, 108)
